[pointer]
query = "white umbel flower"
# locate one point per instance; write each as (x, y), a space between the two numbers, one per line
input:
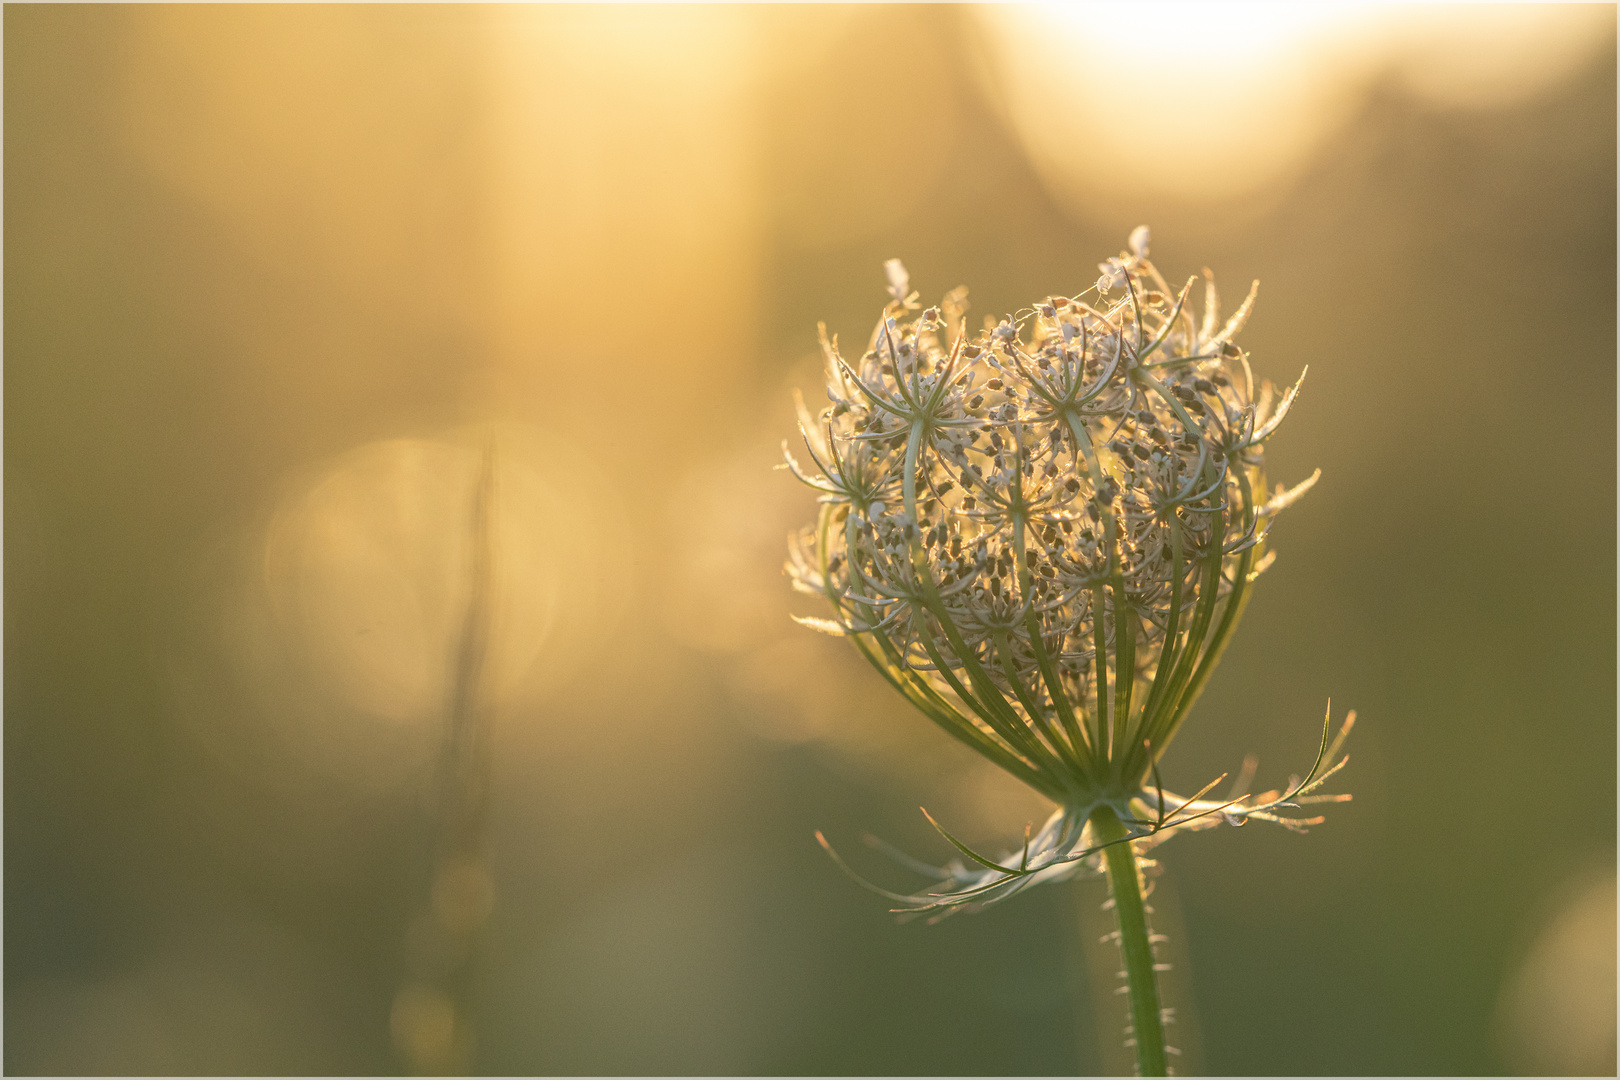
(1043, 536)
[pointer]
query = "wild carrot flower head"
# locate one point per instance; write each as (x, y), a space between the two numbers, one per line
(1043, 535)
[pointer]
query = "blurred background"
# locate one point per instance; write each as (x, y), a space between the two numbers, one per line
(398, 670)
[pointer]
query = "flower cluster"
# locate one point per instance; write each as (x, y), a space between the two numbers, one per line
(1044, 533)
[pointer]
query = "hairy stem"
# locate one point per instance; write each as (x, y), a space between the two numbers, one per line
(1125, 881)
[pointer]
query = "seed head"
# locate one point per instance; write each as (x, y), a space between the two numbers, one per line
(1044, 534)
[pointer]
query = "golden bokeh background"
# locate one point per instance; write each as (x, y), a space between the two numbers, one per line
(375, 372)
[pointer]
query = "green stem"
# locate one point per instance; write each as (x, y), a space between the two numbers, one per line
(1125, 881)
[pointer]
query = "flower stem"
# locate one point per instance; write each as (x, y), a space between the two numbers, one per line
(1125, 881)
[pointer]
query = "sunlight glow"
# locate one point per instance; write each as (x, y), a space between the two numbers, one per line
(1209, 101)
(1196, 33)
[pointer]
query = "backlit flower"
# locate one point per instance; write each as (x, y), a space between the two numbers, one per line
(1043, 535)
